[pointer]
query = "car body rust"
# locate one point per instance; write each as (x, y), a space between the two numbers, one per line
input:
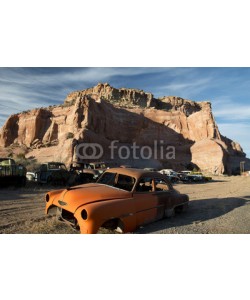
(122, 199)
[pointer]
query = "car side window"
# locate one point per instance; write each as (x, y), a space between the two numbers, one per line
(161, 185)
(145, 185)
(62, 167)
(125, 182)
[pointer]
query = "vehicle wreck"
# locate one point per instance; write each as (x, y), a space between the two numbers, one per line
(122, 200)
(11, 173)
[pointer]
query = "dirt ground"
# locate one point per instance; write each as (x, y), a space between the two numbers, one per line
(220, 206)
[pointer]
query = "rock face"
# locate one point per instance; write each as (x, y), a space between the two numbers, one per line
(103, 114)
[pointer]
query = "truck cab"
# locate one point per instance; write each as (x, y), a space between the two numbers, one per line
(12, 173)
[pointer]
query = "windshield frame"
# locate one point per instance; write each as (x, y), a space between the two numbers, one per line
(116, 176)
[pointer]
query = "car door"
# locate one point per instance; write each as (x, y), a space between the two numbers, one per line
(43, 174)
(164, 192)
(147, 205)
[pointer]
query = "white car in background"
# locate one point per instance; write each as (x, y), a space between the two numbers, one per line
(171, 174)
(168, 172)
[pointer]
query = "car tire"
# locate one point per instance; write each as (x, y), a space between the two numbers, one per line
(169, 213)
(181, 208)
(23, 182)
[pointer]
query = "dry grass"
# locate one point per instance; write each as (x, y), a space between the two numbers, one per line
(44, 226)
(220, 206)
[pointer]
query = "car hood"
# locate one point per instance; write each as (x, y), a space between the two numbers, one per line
(71, 199)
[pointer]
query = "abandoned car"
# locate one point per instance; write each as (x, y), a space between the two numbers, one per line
(51, 172)
(189, 176)
(98, 166)
(86, 176)
(11, 173)
(121, 200)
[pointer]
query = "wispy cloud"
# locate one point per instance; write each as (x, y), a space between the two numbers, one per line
(27, 88)
(69, 75)
(228, 109)
(187, 87)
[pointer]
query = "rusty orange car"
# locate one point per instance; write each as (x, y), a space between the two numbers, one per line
(122, 199)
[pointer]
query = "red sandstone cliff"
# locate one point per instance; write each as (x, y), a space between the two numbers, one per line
(102, 114)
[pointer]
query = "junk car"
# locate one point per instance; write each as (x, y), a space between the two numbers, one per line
(122, 199)
(51, 173)
(11, 173)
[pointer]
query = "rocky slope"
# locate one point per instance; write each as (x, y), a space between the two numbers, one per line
(103, 114)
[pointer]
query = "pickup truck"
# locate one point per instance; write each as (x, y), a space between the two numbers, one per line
(51, 173)
(11, 174)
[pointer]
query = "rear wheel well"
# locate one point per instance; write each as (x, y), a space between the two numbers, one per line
(181, 208)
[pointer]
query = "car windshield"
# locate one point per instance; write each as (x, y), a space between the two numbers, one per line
(120, 181)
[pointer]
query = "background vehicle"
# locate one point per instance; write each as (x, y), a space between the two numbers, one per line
(99, 166)
(170, 174)
(51, 172)
(203, 177)
(81, 176)
(150, 169)
(125, 166)
(189, 176)
(86, 172)
(167, 172)
(11, 173)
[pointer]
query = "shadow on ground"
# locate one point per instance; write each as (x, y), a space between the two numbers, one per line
(198, 211)
(15, 194)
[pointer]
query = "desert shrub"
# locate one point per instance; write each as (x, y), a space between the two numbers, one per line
(70, 135)
(30, 163)
(20, 156)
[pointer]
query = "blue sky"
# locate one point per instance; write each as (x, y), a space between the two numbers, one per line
(226, 88)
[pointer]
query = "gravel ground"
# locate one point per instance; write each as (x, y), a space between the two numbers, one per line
(220, 206)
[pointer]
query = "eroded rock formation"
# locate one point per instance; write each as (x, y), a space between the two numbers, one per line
(103, 114)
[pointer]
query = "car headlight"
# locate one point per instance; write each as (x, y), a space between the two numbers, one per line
(84, 214)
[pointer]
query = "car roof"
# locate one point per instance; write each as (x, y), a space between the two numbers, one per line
(6, 158)
(136, 173)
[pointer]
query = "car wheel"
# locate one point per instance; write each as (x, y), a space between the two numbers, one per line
(181, 208)
(170, 212)
(23, 181)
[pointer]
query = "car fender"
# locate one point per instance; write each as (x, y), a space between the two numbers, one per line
(100, 212)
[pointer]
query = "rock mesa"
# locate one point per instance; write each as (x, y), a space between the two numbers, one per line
(102, 114)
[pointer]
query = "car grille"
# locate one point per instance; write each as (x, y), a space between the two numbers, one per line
(68, 216)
